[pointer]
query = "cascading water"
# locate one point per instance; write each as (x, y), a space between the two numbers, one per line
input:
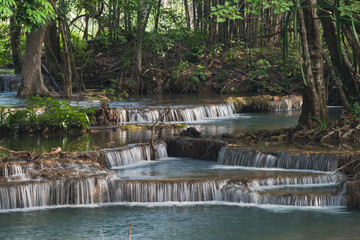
(15, 171)
(101, 187)
(250, 158)
(133, 154)
(212, 190)
(52, 193)
(291, 102)
(322, 179)
(190, 114)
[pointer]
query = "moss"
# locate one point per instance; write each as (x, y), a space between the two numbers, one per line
(250, 104)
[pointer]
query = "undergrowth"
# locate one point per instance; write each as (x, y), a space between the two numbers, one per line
(44, 114)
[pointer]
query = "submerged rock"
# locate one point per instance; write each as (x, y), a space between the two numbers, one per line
(205, 149)
(190, 132)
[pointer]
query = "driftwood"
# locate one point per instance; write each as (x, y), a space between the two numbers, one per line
(30, 156)
(153, 127)
(131, 225)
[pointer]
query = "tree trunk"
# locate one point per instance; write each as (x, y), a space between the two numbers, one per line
(52, 49)
(194, 15)
(32, 82)
(337, 82)
(314, 109)
(187, 14)
(139, 42)
(157, 15)
(354, 44)
(15, 33)
(67, 87)
(343, 67)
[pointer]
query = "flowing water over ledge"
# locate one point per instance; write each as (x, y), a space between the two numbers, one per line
(85, 183)
(177, 198)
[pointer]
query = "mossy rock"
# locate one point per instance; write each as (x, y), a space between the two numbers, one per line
(250, 104)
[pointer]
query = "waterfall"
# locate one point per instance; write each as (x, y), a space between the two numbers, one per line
(9, 83)
(190, 114)
(250, 158)
(133, 154)
(53, 193)
(296, 180)
(164, 191)
(306, 200)
(290, 102)
(16, 171)
(110, 189)
(212, 190)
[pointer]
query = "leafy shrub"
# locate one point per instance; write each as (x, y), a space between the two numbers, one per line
(46, 114)
(5, 47)
(355, 110)
(193, 74)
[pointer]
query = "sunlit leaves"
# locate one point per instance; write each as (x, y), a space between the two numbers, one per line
(32, 14)
(5, 8)
(228, 10)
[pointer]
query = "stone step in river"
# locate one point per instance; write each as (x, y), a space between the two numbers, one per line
(285, 160)
(201, 112)
(72, 182)
(100, 189)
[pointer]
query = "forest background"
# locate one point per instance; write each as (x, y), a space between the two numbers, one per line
(249, 47)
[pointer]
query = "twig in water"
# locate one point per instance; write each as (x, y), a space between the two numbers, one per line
(102, 234)
(131, 225)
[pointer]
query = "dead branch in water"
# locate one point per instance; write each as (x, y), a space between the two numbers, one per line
(163, 114)
(15, 152)
(30, 156)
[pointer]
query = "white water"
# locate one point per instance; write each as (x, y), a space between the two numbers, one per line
(286, 103)
(105, 189)
(134, 154)
(145, 115)
(284, 160)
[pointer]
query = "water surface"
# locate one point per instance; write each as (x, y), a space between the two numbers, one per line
(182, 221)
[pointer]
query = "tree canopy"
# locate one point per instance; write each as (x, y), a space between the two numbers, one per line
(149, 46)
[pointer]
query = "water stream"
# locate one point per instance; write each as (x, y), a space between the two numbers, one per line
(245, 194)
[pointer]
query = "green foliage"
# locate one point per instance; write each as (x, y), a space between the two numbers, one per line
(115, 93)
(261, 68)
(323, 123)
(6, 8)
(193, 74)
(228, 10)
(5, 46)
(45, 114)
(355, 110)
(32, 14)
(191, 43)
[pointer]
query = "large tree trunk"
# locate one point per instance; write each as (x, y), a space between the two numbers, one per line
(32, 81)
(314, 108)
